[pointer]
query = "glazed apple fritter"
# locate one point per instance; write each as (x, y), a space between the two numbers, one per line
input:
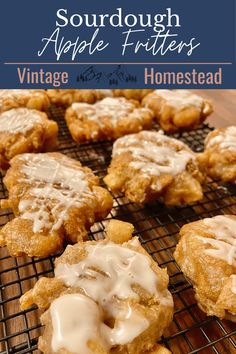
(107, 119)
(54, 200)
(25, 130)
(156, 167)
(177, 109)
(219, 157)
(206, 253)
(106, 297)
(32, 99)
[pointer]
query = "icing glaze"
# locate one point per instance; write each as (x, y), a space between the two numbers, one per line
(107, 275)
(19, 120)
(226, 139)
(129, 325)
(180, 99)
(120, 268)
(112, 108)
(81, 323)
(77, 320)
(53, 181)
(224, 242)
(154, 153)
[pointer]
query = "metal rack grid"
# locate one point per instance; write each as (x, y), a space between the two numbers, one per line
(157, 226)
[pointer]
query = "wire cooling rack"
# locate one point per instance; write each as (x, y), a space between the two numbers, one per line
(157, 226)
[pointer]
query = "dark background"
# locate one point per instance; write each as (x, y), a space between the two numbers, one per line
(24, 23)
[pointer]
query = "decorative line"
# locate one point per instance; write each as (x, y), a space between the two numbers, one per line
(117, 63)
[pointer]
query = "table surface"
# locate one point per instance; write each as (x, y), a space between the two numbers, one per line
(224, 104)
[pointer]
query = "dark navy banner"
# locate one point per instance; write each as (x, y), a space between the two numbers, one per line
(118, 44)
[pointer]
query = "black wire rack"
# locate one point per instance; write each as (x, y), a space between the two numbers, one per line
(157, 226)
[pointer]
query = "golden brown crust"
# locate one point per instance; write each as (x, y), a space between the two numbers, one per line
(32, 99)
(41, 136)
(66, 97)
(132, 94)
(39, 205)
(158, 349)
(146, 183)
(119, 231)
(211, 276)
(107, 120)
(174, 111)
(217, 161)
(158, 313)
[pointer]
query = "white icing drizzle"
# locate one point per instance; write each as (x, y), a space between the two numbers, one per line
(54, 182)
(19, 120)
(180, 99)
(224, 242)
(107, 275)
(76, 319)
(122, 266)
(233, 286)
(112, 108)
(226, 139)
(154, 153)
(129, 324)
